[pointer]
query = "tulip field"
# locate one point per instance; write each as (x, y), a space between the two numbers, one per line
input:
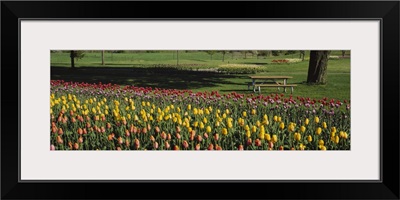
(100, 116)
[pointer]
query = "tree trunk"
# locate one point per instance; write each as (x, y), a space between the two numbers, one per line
(343, 53)
(72, 55)
(223, 57)
(317, 68)
(245, 55)
(102, 57)
(302, 55)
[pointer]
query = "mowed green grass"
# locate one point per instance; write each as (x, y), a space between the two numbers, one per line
(121, 68)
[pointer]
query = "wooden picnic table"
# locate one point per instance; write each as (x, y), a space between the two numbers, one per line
(270, 81)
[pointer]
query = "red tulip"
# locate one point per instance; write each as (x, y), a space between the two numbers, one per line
(167, 145)
(60, 131)
(185, 144)
(137, 144)
(258, 142)
(127, 133)
(80, 131)
(249, 142)
(216, 136)
(155, 145)
(163, 135)
(199, 138)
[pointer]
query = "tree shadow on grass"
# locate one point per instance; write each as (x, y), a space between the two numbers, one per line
(169, 78)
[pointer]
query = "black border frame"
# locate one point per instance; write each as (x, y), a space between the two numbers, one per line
(386, 11)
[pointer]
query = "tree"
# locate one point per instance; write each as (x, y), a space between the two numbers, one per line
(302, 55)
(75, 55)
(102, 57)
(245, 53)
(223, 55)
(211, 53)
(317, 68)
(71, 55)
(232, 54)
(343, 53)
(255, 52)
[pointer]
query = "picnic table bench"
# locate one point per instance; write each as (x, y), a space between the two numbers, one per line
(270, 81)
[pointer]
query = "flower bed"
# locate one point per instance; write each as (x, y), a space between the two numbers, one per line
(109, 117)
(287, 60)
(240, 69)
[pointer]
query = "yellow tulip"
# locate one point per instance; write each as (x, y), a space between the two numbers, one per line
(307, 121)
(254, 129)
(274, 138)
(324, 125)
(248, 133)
(268, 137)
(316, 120)
(201, 125)
(321, 142)
(337, 139)
(208, 129)
(253, 112)
(297, 136)
(261, 135)
(291, 127)
(318, 130)
(281, 125)
(309, 138)
(302, 129)
(275, 118)
(244, 114)
(224, 131)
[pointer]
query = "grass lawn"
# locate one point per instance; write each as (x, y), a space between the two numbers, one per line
(130, 69)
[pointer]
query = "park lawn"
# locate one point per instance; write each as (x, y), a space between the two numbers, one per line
(129, 69)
